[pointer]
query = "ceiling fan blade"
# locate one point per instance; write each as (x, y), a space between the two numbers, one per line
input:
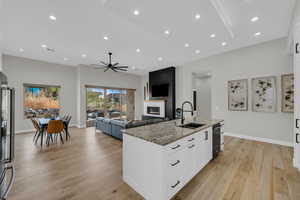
(106, 69)
(115, 64)
(114, 69)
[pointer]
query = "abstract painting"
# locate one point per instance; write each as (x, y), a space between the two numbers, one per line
(264, 94)
(287, 90)
(238, 95)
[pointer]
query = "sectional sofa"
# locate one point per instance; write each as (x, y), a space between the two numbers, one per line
(114, 127)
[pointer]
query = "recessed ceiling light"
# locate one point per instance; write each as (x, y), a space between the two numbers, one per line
(138, 50)
(254, 19)
(105, 38)
(66, 59)
(44, 46)
(133, 68)
(136, 12)
(213, 35)
(160, 58)
(224, 43)
(52, 17)
(84, 55)
(186, 45)
(197, 16)
(21, 50)
(257, 34)
(197, 51)
(167, 32)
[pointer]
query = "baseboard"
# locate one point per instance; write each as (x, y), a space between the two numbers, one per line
(25, 131)
(296, 165)
(80, 126)
(259, 139)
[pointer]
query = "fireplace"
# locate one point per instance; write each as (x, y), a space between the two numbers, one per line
(154, 108)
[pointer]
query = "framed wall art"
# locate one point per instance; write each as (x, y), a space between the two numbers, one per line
(287, 93)
(238, 95)
(264, 93)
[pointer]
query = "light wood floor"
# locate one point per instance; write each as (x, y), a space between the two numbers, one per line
(89, 167)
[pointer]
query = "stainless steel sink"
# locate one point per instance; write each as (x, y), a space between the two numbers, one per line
(192, 125)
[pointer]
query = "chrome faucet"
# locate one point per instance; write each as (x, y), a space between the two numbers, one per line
(182, 111)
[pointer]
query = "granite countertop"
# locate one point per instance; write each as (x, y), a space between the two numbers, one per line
(165, 133)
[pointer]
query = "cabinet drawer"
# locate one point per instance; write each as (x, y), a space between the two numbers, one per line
(174, 147)
(174, 185)
(191, 139)
(175, 160)
(174, 165)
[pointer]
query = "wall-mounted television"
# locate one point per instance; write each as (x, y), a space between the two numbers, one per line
(161, 90)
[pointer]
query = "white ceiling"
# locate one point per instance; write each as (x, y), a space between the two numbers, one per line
(82, 24)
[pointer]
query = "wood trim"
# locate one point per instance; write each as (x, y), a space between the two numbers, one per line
(155, 100)
(39, 85)
(107, 87)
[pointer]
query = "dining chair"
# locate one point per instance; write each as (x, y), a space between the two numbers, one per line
(64, 117)
(37, 129)
(55, 128)
(67, 123)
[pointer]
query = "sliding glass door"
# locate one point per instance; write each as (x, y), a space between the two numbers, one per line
(111, 103)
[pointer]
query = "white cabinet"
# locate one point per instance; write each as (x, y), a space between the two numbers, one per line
(159, 172)
(297, 96)
(191, 157)
(207, 147)
(204, 150)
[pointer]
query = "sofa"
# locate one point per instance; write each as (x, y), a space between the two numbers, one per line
(114, 127)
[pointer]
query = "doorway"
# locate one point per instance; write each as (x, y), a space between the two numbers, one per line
(202, 95)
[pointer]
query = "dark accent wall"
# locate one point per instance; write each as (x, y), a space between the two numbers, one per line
(164, 76)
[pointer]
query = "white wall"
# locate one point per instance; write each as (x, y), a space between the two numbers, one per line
(267, 59)
(1, 60)
(21, 70)
(72, 81)
(95, 77)
(1, 41)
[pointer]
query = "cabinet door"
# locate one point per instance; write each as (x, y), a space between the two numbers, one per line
(207, 145)
(200, 151)
(297, 97)
(190, 161)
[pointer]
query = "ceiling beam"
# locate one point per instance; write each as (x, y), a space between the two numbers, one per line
(218, 5)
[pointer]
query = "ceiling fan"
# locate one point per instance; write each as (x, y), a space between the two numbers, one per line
(109, 66)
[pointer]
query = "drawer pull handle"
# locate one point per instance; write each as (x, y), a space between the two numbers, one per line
(174, 186)
(176, 147)
(192, 139)
(297, 123)
(297, 141)
(176, 163)
(191, 146)
(206, 135)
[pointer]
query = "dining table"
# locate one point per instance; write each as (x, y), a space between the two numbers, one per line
(43, 122)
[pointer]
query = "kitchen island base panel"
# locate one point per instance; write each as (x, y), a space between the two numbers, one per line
(142, 168)
(158, 172)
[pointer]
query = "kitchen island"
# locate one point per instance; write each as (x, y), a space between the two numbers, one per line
(160, 159)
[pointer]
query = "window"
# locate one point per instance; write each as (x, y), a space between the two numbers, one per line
(41, 101)
(109, 102)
